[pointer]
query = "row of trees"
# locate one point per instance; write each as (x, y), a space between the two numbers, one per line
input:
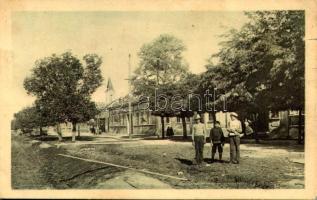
(259, 67)
(62, 86)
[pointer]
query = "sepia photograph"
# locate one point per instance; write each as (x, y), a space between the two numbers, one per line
(158, 99)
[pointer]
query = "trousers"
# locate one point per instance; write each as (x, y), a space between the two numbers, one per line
(199, 148)
(215, 147)
(234, 148)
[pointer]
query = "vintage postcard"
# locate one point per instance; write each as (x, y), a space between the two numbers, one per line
(158, 99)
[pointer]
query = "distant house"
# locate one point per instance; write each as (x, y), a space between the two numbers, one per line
(285, 124)
(114, 117)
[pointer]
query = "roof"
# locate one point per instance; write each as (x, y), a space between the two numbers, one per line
(109, 86)
(122, 101)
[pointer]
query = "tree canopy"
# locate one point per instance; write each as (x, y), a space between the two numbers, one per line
(157, 78)
(63, 86)
(261, 66)
(29, 118)
(161, 67)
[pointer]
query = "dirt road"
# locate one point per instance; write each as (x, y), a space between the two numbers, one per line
(37, 165)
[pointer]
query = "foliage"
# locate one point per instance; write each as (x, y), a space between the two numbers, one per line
(157, 78)
(161, 68)
(28, 119)
(63, 86)
(261, 66)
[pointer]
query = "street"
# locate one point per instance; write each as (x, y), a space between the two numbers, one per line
(38, 165)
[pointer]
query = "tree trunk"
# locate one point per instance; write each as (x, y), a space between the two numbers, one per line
(262, 123)
(74, 126)
(74, 132)
(163, 128)
(214, 118)
(299, 139)
(256, 128)
(263, 120)
(288, 125)
(59, 132)
(108, 124)
(131, 124)
(184, 127)
(243, 126)
(78, 130)
(41, 131)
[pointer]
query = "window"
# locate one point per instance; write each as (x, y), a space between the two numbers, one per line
(144, 119)
(137, 121)
(117, 119)
(294, 120)
(167, 120)
(274, 115)
(123, 119)
(293, 112)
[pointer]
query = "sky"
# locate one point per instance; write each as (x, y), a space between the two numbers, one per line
(112, 35)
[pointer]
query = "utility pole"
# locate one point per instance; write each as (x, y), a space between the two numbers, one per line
(130, 125)
(214, 109)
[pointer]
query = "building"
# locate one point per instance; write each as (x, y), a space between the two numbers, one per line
(285, 124)
(114, 118)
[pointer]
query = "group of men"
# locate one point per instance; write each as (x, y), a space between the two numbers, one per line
(217, 139)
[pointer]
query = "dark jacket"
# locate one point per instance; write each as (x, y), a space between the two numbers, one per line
(216, 135)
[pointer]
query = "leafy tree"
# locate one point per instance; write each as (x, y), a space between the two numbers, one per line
(28, 119)
(63, 87)
(263, 63)
(161, 67)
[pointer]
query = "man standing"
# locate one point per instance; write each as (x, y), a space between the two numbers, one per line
(199, 139)
(235, 130)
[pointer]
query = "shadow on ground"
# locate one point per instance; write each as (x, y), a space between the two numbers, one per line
(206, 160)
(65, 139)
(185, 161)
